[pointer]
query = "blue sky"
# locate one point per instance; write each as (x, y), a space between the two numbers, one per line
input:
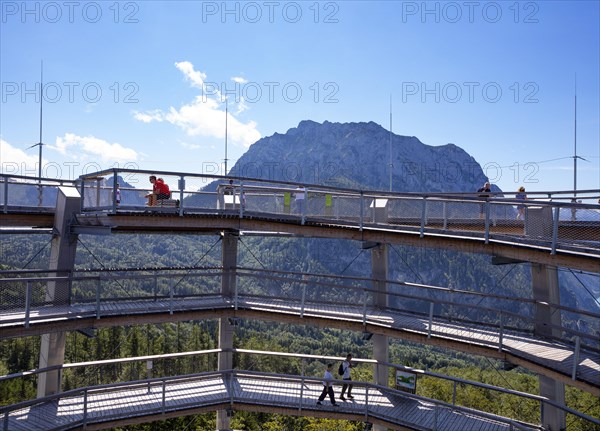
(142, 84)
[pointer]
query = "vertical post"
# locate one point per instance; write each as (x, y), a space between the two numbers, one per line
(423, 215)
(547, 320)
(362, 212)
(164, 396)
(114, 192)
(576, 357)
(170, 299)
(454, 393)
(242, 199)
(304, 206)
(155, 278)
(555, 229)
(431, 304)
(487, 222)
(62, 260)
(27, 303)
(5, 194)
(301, 389)
(303, 300)
(181, 184)
(501, 334)
(228, 288)
(379, 273)
(445, 214)
(98, 298)
(85, 406)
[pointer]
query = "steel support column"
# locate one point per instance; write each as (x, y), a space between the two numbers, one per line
(229, 251)
(62, 260)
(379, 271)
(544, 283)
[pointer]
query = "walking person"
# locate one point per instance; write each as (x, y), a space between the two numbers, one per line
(118, 195)
(327, 386)
(521, 208)
(346, 365)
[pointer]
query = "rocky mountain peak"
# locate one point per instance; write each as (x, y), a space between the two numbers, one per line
(357, 155)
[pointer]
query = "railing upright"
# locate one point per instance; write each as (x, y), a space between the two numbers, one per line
(362, 211)
(445, 214)
(302, 305)
(454, 392)
(301, 394)
(366, 403)
(366, 299)
(235, 296)
(501, 332)
(114, 192)
(98, 298)
(181, 185)
(555, 229)
(576, 357)
(164, 396)
(85, 407)
(487, 222)
(5, 195)
(423, 215)
(27, 304)
(242, 199)
(304, 206)
(431, 304)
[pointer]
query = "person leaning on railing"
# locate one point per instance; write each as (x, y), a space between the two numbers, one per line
(484, 194)
(160, 190)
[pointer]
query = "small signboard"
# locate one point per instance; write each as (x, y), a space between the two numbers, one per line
(406, 381)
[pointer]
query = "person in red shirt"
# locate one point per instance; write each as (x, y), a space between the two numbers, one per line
(160, 190)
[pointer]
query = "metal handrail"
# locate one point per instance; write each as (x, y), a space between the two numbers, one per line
(146, 382)
(267, 274)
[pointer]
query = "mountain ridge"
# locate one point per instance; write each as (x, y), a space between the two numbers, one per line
(357, 155)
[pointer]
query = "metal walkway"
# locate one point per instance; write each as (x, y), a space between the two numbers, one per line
(142, 401)
(554, 233)
(558, 360)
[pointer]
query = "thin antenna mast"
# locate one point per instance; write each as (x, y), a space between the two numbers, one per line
(226, 114)
(41, 104)
(575, 144)
(391, 165)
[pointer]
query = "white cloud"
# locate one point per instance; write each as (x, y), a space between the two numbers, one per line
(191, 146)
(205, 115)
(17, 161)
(239, 80)
(148, 117)
(90, 147)
(196, 77)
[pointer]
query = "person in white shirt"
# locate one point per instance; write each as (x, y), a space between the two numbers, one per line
(300, 195)
(346, 365)
(327, 386)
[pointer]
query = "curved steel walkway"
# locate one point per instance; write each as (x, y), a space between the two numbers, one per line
(571, 363)
(156, 399)
(553, 233)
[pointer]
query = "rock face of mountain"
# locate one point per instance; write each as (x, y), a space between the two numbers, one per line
(357, 155)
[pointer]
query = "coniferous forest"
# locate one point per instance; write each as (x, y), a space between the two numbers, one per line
(442, 268)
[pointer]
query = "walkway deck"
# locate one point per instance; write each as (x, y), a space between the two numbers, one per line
(542, 356)
(98, 408)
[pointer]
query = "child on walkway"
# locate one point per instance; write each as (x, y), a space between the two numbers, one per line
(327, 387)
